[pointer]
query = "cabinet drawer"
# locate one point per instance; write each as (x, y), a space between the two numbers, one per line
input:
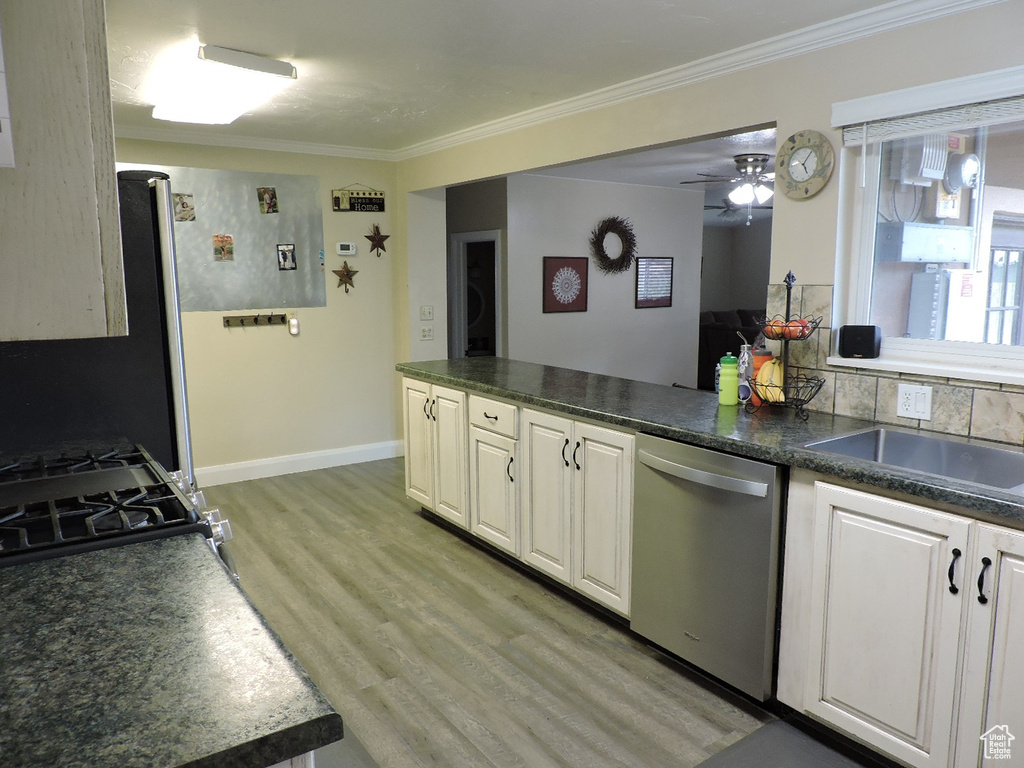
(492, 415)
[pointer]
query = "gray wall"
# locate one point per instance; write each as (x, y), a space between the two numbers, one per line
(554, 217)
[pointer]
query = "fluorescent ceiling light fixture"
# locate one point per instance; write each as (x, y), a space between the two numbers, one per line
(206, 84)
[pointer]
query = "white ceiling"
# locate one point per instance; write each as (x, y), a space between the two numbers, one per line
(393, 78)
(387, 75)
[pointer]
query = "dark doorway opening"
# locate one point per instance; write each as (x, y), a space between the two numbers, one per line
(481, 325)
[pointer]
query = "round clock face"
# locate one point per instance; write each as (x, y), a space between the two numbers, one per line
(804, 165)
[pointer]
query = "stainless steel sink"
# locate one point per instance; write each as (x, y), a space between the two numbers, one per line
(980, 464)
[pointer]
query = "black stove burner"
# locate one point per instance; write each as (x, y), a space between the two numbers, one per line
(55, 506)
(44, 466)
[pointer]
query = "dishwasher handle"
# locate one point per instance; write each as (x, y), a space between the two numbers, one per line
(699, 476)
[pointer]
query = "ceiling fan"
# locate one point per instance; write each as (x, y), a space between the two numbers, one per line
(753, 182)
(729, 208)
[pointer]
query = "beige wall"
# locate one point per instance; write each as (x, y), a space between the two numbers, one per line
(259, 397)
(795, 94)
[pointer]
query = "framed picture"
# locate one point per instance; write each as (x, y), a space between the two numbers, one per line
(286, 256)
(565, 284)
(653, 283)
(267, 197)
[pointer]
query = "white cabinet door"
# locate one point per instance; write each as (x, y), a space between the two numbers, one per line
(883, 646)
(547, 479)
(447, 410)
(61, 275)
(493, 500)
(419, 442)
(993, 679)
(603, 514)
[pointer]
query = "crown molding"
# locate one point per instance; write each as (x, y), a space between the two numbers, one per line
(820, 36)
(211, 139)
(895, 15)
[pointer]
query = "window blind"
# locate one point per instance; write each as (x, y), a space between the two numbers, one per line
(937, 121)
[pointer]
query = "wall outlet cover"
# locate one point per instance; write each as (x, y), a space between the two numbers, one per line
(914, 402)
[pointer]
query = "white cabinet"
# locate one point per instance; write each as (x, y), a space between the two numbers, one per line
(547, 478)
(884, 625)
(993, 674)
(435, 448)
(902, 625)
(554, 492)
(61, 274)
(493, 493)
(577, 505)
(603, 515)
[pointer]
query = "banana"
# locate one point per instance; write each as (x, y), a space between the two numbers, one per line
(769, 383)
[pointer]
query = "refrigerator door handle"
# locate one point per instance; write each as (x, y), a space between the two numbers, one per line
(699, 476)
(165, 226)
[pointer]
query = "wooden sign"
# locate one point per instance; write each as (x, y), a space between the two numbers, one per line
(360, 201)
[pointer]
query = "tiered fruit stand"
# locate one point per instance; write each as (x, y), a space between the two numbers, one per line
(798, 390)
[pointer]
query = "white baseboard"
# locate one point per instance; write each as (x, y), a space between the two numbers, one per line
(298, 462)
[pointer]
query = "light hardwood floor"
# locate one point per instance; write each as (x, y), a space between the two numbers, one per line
(437, 653)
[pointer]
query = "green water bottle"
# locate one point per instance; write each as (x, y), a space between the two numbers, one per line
(728, 383)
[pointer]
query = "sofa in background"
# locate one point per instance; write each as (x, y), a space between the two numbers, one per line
(718, 335)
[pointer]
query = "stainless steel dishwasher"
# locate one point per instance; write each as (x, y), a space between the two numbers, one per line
(705, 559)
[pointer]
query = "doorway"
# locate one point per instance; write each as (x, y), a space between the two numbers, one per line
(475, 295)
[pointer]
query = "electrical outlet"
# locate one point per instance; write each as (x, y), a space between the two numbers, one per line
(427, 333)
(914, 402)
(427, 312)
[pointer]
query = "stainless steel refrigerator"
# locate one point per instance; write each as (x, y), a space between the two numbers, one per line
(132, 387)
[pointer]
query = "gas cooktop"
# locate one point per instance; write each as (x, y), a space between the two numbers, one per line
(53, 505)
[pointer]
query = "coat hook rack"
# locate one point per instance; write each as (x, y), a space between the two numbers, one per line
(247, 321)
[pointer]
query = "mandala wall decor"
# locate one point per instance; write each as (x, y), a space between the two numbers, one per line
(622, 229)
(565, 284)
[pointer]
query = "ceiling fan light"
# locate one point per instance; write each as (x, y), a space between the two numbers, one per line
(742, 195)
(763, 193)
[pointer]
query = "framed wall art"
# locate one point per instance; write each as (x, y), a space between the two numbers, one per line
(565, 284)
(653, 282)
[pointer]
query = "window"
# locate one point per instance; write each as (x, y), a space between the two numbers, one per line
(935, 255)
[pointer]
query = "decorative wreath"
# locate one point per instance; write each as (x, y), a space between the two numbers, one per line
(622, 229)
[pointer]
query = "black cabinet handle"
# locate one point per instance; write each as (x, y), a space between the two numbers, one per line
(488, 416)
(574, 454)
(425, 404)
(432, 414)
(985, 563)
(952, 563)
(563, 452)
(508, 469)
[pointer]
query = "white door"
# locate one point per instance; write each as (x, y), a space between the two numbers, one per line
(419, 442)
(492, 476)
(451, 484)
(992, 698)
(602, 460)
(884, 624)
(547, 479)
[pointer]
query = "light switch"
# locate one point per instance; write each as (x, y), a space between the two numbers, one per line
(426, 312)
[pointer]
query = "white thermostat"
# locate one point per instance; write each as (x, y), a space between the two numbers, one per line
(346, 249)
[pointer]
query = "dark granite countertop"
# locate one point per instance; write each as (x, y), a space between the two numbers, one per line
(147, 655)
(694, 416)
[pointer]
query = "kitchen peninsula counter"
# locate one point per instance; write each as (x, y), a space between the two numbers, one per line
(147, 655)
(692, 416)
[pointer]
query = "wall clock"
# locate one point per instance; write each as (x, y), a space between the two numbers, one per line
(804, 165)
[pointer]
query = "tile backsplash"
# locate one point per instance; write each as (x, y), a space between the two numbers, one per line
(967, 408)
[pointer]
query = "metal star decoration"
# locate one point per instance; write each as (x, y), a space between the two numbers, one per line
(345, 275)
(376, 240)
